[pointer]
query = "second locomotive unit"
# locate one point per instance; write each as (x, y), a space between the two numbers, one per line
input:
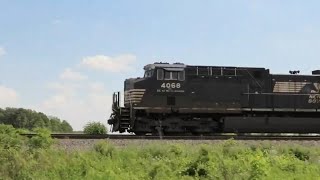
(183, 99)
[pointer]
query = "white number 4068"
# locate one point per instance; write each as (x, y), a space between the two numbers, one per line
(171, 85)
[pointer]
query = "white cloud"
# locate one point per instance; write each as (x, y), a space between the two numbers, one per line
(106, 63)
(66, 88)
(69, 74)
(2, 51)
(56, 101)
(78, 103)
(8, 97)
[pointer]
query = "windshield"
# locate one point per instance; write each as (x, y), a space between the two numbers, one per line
(148, 73)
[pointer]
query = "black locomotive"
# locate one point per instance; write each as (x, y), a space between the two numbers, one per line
(182, 99)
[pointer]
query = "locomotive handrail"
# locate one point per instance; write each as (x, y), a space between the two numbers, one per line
(130, 102)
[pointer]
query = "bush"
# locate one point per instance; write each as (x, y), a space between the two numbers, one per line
(42, 139)
(104, 148)
(9, 137)
(22, 158)
(95, 128)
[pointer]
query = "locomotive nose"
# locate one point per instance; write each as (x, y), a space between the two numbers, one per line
(133, 92)
(129, 84)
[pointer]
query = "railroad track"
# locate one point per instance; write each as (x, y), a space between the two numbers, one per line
(212, 137)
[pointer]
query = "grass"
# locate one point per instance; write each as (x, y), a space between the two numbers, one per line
(35, 159)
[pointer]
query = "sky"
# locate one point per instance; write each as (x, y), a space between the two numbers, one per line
(66, 58)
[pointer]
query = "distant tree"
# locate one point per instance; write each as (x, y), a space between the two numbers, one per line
(95, 128)
(22, 120)
(55, 124)
(1, 116)
(45, 119)
(65, 126)
(29, 119)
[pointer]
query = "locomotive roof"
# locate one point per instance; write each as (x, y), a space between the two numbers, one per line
(229, 67)
(164, 65)
(181, 65)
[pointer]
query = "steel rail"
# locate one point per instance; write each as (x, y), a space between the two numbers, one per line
(212, 137)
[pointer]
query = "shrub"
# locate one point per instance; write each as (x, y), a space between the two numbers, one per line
(95, 128)
(9, 137)
(158, 160)
(104, 148)
(42, 139)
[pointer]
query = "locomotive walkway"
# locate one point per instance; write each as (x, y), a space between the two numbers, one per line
(211, 137)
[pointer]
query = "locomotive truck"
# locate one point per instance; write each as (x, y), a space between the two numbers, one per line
(180, 99)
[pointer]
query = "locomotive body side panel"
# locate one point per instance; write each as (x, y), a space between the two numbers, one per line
(176, 98)
(296, 92)
(205, 92)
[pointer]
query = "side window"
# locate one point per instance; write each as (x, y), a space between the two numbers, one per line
(181, 76)
(160, 74)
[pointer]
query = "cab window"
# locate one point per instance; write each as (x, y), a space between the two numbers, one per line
(148, 74)
(160, 74)
(174, 75)
(170, 75)
(167, 75)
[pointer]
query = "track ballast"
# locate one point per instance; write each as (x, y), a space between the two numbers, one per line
(212, 137)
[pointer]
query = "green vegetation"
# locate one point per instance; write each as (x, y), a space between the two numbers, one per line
(35, 158)
(95, 128)
(28, 119)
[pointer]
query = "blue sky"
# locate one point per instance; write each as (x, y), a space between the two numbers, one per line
(65, 58)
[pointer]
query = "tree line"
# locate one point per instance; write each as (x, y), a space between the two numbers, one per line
(29, 119)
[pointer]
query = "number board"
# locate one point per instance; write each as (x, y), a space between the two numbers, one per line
(170, 87)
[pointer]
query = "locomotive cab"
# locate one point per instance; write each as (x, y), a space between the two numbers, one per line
(159, 80)
(159, 90)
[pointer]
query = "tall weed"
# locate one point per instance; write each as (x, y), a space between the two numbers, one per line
(228, 160)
